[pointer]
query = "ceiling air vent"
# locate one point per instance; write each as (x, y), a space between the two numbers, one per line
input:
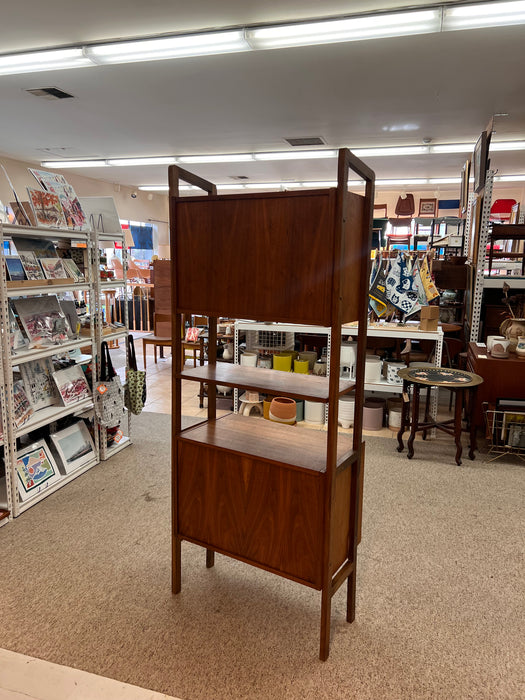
(308, 141)
(50, 93)
(239, 177)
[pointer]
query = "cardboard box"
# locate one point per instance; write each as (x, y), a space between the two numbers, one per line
(429, 318)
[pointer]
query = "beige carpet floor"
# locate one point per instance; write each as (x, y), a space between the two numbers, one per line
(85, 581)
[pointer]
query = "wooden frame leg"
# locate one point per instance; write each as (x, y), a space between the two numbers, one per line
(457, 425)
(472, 423)
(176, 566)
(405, 412)
(415, 420)
(144, 346)
(155, 351)
(326, 614)
(210, 558)
(427, 410)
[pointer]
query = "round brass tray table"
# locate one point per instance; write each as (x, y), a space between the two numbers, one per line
(456, 380)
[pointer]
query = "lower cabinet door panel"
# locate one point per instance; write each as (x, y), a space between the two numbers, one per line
(265, 514)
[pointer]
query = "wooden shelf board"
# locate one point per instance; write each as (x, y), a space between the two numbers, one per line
(269, 441)
(301, 386)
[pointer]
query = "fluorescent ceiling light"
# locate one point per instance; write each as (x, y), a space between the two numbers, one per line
(507, 145)
(37, 61)
(264, 185)
(154, 188)
(452, 148)
(487, 14)
(230, 158)
(74, 164)
(169, 47)
(295, 155)
(444, 181)
(371, 26)
(510, 178)
(421, 181)
(163, 160)
(390, 151)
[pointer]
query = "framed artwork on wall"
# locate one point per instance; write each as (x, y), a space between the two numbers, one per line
(428, 207)
(480, 162)
(74, 447)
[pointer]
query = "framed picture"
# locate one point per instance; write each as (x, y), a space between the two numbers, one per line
(39, 384)
(15, 269)
(23, 213)
(46, 208)
(463, 195)
(428, 207)
(480, 162)
(69, 202)
(42, 319)
(36, 470)
(74, 447)
(72, 384)
(31, 265)
(475, 223)
(54, 268)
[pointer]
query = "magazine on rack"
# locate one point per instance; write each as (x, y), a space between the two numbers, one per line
(23, 408)
(54, 268)
(42, 319)
(39, 247)
(15, 270)
(53, 182)
(72, 384)
(17, 340)
(39, 384)
(46, 208)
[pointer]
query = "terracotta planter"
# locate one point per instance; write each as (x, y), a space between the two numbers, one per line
(512, 328)
(283, 410)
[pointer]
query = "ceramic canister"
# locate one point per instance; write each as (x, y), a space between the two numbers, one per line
(373, 414)
(265, 361)
(320, 368)
(392, 369)
(346, 411)
(500, 348)
(283, 363)
(491, 339)
(300, 409)
(309, 355)
(395, 406)
(373, 369)
(249, 359)
(314, 412)
(520, 347)
(301, 366)
(283, 410)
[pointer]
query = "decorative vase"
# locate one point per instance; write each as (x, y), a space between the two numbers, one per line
(300, 366)
(227, 353)
(512, 328)
(283, 363)
(520, 347)
(320, 368)
(283, 410)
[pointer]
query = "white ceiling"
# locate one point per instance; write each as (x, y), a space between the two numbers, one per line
(371, 93)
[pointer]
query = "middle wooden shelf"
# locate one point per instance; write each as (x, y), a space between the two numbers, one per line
(301, 386)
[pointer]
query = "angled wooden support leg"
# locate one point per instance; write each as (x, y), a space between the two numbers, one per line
(176, 566)
(210, 558)
(326, 614)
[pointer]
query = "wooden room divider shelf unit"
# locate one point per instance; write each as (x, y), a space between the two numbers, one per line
(48, 415)
(256, 490)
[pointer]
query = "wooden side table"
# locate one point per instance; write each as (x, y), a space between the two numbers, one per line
(455, 380)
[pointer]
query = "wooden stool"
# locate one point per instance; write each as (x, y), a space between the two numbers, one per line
(455, 380)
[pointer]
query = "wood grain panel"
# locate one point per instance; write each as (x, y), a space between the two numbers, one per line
(264, 256)
(162, 293)
(265, 516)
(356, 257)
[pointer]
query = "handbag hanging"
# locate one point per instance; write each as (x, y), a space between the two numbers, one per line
(108, 392)
(135, 394)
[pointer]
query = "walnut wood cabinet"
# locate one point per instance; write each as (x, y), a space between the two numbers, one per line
(278, 497)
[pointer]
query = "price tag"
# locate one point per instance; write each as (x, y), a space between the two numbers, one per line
(405, 397)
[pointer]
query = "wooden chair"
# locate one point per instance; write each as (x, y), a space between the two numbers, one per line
(155, 339)
(192, 348)
(383, 207)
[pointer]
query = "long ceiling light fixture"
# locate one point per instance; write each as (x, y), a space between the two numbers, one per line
(373, 25)
(283, 155)
(331, 183)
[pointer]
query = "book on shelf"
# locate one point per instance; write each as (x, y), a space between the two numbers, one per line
(46, 208)
(42, 319)
(39, 384)
(57, 184)
(72, 384)
(31, 265)
(54, 268)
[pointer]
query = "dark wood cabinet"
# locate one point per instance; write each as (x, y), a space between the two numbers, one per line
(278, 497)
(502, 378)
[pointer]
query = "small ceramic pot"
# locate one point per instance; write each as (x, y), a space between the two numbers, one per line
(249, 359)
(373, 369)
(500, 348)
(392, 369)
(266, 408)
(320, 368)
(491, 339)
(314, 412)
(300, 366)
(346, 411)
(227, 353)
(265, 361)
(394, 406)
(283, 363)
(300, 409)
(309, 355)
(283, 410)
